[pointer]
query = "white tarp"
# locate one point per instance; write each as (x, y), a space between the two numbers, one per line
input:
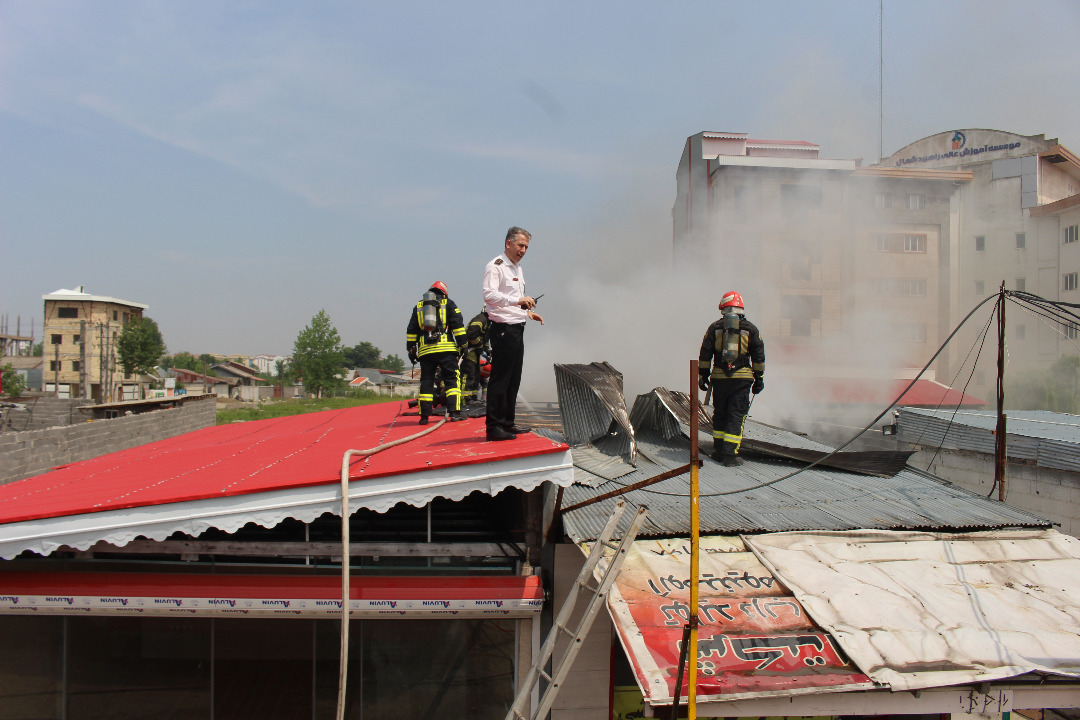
(917, 610)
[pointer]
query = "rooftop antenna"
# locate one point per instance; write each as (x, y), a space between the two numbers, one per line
(881, 77)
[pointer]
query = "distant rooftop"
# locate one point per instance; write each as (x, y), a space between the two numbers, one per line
(80, 295)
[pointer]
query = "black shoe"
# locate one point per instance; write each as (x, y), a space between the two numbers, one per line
(498, 433)
(423, 419)
(455, 417)
(717, 456)
(732, 461)
(519, 429)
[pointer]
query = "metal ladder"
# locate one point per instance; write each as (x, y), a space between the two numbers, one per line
(519, 710)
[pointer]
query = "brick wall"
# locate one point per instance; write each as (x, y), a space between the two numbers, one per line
(32, 452)
(1053, 494)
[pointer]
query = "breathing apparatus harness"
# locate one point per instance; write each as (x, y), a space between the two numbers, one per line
(431, 317)
(731, 357)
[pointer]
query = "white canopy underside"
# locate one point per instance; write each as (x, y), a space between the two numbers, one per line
(267, 509)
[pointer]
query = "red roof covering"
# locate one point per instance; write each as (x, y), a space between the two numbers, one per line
(258, 457)
(860, 391)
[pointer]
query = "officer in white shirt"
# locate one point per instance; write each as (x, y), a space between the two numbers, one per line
(508, 307)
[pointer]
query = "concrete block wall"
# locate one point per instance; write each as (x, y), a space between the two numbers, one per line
(1053, 494)
(43, 411)
(32, 452)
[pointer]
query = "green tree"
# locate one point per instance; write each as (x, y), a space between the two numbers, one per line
(364, 355)
(13, 382)
(394, 363)
(318, 357)
(37, 349)
(140, 346)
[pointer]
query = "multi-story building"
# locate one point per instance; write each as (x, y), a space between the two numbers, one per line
(841, 265)
(863, 272)
(1012, 224)
(80, 335)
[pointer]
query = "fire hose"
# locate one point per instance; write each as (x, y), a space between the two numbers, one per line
(344, 661)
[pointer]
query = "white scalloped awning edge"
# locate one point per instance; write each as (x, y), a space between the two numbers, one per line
(158, 522)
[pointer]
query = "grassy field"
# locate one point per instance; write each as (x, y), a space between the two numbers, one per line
(242, 412)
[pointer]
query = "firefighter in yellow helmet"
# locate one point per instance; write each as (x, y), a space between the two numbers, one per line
(733, 349)
(435, 332)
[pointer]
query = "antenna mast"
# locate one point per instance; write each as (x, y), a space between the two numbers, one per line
(881, 78)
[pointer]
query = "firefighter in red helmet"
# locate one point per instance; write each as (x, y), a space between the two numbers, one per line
(435, 332)
(732, 361)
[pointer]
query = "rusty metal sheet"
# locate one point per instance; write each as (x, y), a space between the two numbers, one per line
(755, 639)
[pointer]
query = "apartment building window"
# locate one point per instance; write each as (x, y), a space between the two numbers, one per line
(980, 289)
(1021, 284)
(800, 198)
(1072, 331)
(67, 312)
(56, 339)
(740, 200)
(1068, 281)
(54, 365)
(916, 202)
(76, 339)
(1021, 241)
(115, 316)
(914, 243)
(883, 200)
(1072, 234)
(913, 333)
(801, 311)
(76, 365)
(879, 242)
(980, 243)
(913, 286)
(1021, 331)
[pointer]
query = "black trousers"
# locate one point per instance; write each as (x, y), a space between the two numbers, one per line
(507, 355)
(731, 402)
(444, 363)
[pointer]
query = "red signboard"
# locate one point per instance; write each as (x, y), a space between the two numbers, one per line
(755, 639)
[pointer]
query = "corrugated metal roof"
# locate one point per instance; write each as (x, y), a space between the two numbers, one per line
(264, 471)
(820, 498)
(1049, 439)
(592, 404)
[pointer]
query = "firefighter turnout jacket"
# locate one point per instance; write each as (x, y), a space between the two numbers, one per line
(447, 335)
(749, 364)
(477, 335)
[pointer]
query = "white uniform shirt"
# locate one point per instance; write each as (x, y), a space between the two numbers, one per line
(504, 286)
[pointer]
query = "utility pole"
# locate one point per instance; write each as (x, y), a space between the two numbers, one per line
(999, 445)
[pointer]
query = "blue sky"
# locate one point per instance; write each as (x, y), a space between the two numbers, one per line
(239, 166)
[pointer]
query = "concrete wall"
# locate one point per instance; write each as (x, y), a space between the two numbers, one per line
(32, 452)
(43, 411)
(1053, 494)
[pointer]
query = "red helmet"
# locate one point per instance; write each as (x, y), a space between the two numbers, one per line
(441, 287)
(731, 299)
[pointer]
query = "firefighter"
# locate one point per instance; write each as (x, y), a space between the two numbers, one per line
(435, 331)
(733, 348)
(474, 354)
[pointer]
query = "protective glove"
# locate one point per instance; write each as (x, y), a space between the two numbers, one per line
(703, 383)
(412, 354)
(758, 386)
